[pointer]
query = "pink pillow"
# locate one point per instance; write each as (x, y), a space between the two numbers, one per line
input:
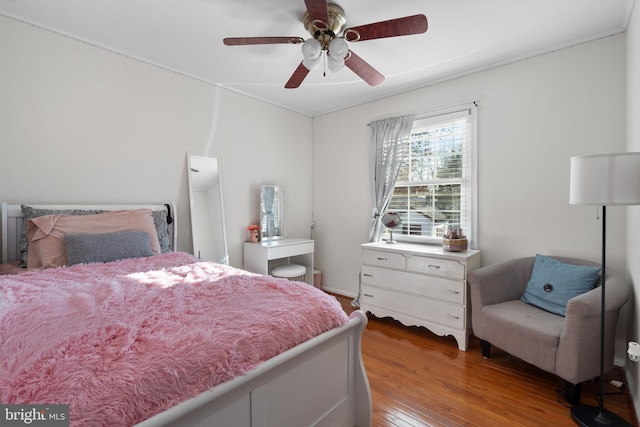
(11, 268)
(45, 234)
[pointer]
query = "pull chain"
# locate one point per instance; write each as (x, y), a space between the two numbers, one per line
(324, 65)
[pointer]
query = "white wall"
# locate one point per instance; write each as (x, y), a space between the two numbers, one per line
(633, 212)
(79, 124)
(533, 116)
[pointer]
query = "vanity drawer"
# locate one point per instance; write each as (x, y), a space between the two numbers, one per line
(436, 266)
(393, 260)
(427, 286)
(284, 251)
(450, 315)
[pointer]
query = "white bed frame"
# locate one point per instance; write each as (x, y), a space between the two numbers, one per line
(12, 223)
(321, 382)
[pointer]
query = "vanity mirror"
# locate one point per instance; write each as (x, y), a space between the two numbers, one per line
(272, 212)
(391, 220)
(207, 213)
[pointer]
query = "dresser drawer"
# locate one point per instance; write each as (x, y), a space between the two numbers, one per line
(440, 312)
(436, 266)
(427, 286)
(393, 260)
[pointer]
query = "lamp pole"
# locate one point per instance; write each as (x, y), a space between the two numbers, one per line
(606, 179)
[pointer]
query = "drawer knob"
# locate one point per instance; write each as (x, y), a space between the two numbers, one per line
(381, 259)
(368, 295)
(451, 316)
(451, 291)
(433, 266)
(367, 275)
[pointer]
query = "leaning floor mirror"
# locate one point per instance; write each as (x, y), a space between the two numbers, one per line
(207, 213)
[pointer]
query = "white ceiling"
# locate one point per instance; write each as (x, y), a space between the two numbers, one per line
(186, 36)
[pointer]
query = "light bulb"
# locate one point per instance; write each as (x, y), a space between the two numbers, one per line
(311, 49)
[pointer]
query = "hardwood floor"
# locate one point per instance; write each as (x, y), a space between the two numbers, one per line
(420, 379)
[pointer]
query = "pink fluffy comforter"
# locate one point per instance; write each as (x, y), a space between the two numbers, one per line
(123, 341)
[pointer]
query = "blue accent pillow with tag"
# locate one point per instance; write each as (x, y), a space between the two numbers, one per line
(553, 283)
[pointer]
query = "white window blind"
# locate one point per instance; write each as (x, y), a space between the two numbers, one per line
(435, 188)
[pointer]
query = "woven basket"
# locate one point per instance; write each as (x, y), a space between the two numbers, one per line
(454, 245)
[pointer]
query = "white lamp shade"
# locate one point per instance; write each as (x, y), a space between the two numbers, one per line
(334, 64)
(311, 49)
(312, 64)
(338, 48)
(605, 179)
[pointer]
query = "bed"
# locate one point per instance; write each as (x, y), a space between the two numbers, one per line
(313, 375)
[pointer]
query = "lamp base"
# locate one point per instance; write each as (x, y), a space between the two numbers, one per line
(590, 416)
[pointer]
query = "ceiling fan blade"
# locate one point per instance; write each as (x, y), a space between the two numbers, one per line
(318, 10)
(297, 77)
(363, 69)
(241, 41)
(415, 24)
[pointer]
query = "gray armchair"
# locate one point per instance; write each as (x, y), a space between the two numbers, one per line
(568, 347)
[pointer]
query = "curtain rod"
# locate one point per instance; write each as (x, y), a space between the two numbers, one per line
(423, 115)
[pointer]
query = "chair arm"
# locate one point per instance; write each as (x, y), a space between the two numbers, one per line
(588, 304)
(496, 283)
(577, 358)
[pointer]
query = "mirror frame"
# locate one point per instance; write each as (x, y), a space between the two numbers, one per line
(391, 220)
(207, 208)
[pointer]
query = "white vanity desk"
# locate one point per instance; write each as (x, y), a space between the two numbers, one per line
(419, 285)
(261, 257)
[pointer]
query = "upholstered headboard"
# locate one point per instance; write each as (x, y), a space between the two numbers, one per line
(12, 222)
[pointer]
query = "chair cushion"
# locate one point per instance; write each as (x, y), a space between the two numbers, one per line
(289, 271)
(553, 283)
(524, 331)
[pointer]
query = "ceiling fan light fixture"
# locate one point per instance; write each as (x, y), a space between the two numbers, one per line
(338, 48)
(334, 64)
(326, 22)
(312, 63)
(311, 49)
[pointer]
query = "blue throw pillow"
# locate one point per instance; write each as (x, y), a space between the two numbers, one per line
(553, 283)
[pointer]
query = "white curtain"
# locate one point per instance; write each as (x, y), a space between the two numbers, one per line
(268, 196)
(385, 157)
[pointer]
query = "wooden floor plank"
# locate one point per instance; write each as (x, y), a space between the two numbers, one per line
(419, 379)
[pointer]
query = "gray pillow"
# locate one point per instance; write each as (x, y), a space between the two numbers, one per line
(160, 221)
(86, 248)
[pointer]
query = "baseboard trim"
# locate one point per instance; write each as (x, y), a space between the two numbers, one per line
(338, 292)
(631, 387)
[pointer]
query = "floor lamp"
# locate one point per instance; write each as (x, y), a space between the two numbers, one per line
(603, 180)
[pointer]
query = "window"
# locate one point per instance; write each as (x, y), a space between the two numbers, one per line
(435, 188)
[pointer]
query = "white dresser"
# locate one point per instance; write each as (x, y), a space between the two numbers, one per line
(419, 285)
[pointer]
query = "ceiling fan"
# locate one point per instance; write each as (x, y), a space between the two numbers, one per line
(326, 23)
